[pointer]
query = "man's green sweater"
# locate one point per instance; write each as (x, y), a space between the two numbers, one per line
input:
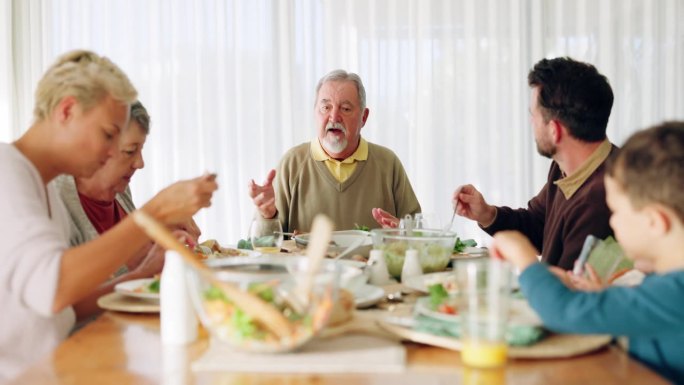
(304, 187)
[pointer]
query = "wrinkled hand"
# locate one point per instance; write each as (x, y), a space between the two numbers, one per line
(469, 203)
(153, 263)
(179, 202)
(385, 219)
(515, 247)
(263, 196)
(193, 231)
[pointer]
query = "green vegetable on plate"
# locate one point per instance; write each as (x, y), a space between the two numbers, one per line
(462, 244)
(437, 294)
(153, 287)
(361, 227)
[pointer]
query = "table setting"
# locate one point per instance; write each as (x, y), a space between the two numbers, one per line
(385, 307)
(399, 336)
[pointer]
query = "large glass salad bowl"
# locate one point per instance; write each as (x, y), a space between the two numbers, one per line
(276, 282)
(434, 247)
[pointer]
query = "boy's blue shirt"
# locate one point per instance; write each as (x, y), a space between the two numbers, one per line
(651, 314)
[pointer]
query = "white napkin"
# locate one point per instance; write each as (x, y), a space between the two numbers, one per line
(345, 354)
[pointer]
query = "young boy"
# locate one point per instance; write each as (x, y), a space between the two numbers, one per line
(644, 185)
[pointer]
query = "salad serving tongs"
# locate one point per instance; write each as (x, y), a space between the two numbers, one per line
(321, 233)
(251, 304)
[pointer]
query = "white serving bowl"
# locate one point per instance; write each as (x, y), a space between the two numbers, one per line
(341, 240)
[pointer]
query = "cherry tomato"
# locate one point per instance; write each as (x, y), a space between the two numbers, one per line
(446, 309)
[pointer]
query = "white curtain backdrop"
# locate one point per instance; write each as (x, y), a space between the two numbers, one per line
(230, 84)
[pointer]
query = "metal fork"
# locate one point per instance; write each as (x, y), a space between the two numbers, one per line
(451, 222)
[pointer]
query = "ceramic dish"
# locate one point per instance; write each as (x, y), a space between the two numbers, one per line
(421, 282)
(553, 346)
(367, 296)
(520, 312)
(137, 288)
(471, 252)
(121, 302)
(341, 240)
(229, 251)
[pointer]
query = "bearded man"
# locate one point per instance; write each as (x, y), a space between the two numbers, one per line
(570, 104)
(338, 173)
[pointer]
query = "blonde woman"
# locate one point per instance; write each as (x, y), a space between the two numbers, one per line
(82, 105)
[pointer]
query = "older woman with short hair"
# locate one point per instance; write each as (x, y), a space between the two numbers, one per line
(98, 202)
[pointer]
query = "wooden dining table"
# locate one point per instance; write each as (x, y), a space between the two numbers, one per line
(125, 348)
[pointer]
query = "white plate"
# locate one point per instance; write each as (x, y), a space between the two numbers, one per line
(368, 295)
(421, 282)
(351, 262)
(342, 240)
(471, 252)
(352, 277)
(424, 307)
(553, 346)
(121, 302)
(136, 288)
(245, 253)
(520, 312)
(475, 250)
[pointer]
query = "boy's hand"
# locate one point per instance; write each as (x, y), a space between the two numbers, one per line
(591, 282)
(563, 275)
(514, 247)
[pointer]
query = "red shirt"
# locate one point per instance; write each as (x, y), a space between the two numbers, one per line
(103, 215)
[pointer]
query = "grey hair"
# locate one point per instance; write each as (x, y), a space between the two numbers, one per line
(139, 115)
(342, 75)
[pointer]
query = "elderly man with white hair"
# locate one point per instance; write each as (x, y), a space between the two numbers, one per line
(338, 173)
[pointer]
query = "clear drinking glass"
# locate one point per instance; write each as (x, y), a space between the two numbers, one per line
(485, 285)
(266, 235)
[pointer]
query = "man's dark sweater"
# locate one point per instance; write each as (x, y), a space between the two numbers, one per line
(558, 226)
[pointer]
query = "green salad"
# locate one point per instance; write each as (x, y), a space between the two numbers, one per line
(231, 323)
(433, 256)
